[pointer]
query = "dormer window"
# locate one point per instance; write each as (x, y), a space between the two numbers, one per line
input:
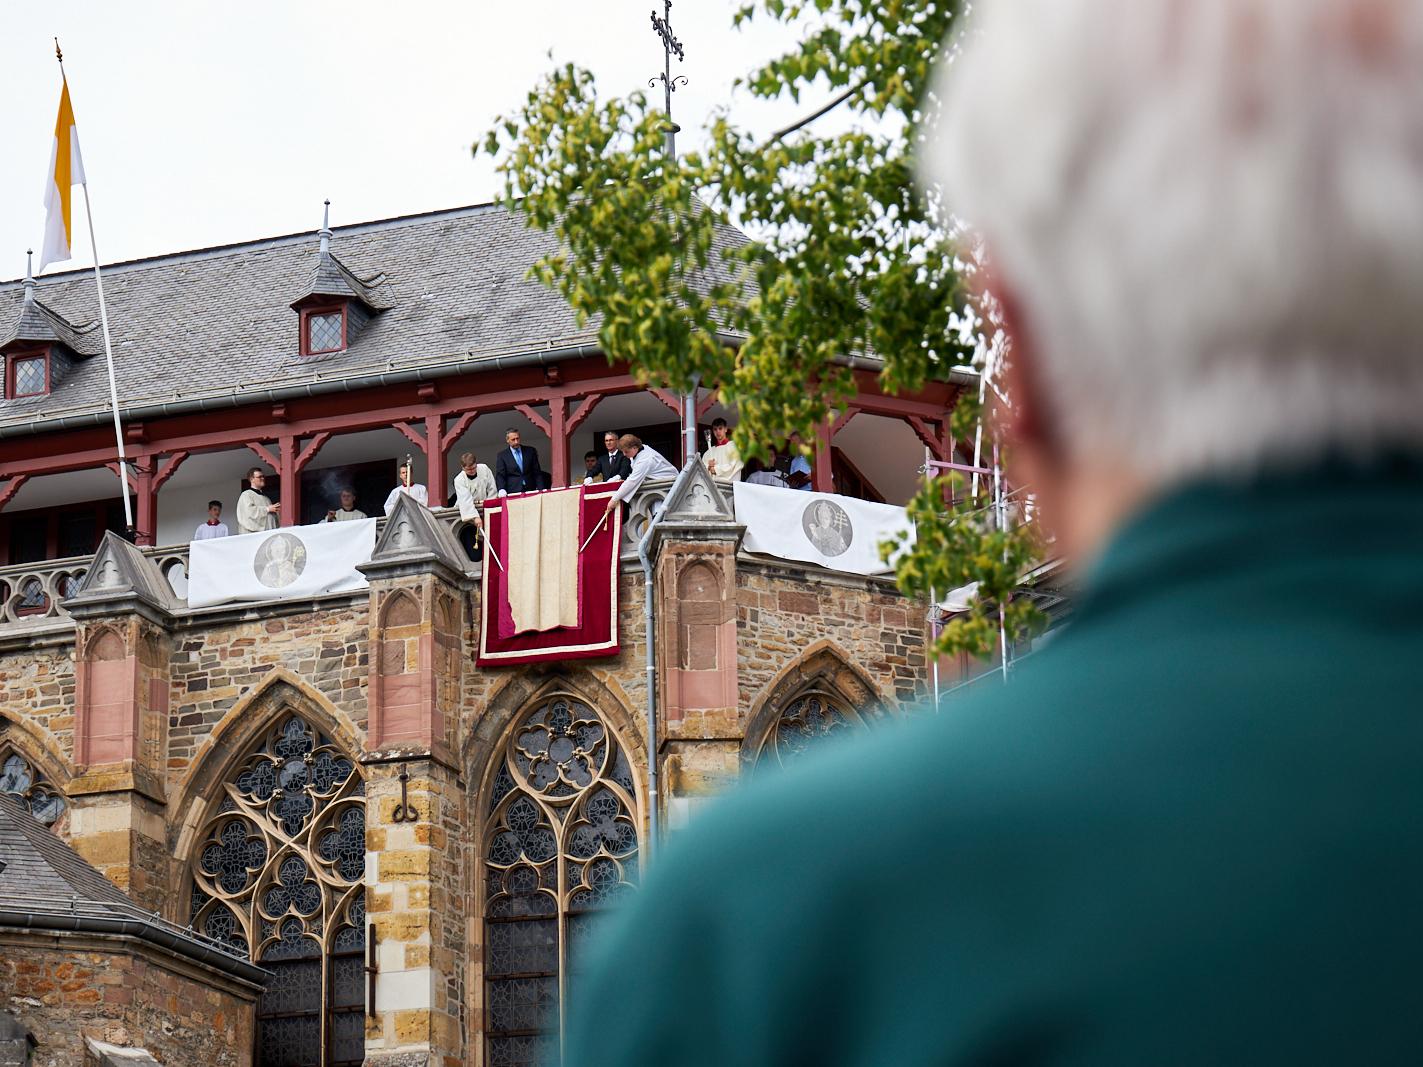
(27, 375)
(323, 330)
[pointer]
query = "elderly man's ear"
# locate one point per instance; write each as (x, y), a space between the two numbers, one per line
(1026, 427)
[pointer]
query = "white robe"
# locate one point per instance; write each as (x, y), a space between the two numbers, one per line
(252, 513)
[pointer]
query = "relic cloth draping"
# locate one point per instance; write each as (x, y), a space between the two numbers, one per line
(542, 580)
(596, 631)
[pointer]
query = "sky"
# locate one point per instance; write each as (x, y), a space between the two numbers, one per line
(203, 124)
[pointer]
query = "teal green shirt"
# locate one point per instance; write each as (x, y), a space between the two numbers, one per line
(1190, 831)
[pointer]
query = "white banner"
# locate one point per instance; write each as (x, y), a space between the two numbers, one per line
(297, 561)
(838, 532)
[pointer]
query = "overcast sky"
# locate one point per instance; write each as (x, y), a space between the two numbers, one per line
(203, 124)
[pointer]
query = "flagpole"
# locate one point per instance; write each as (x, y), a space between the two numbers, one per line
(104, 324)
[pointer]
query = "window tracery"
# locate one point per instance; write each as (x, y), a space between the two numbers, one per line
(20, 778)
(561, 843)
(802, 724)
(278, 878)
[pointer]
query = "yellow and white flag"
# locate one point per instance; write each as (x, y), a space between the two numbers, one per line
(66, 170)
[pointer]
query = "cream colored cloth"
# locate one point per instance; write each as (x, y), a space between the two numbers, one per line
(543, 560)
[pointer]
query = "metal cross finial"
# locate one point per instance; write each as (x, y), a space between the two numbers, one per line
(670, 47)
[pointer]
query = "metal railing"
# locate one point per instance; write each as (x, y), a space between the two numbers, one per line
(32, 594)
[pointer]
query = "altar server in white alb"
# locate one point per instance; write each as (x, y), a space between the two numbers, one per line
(347, 512)
(474, 484)
(646, 463)
(255, 511)
(722, 460)
(214, 527)
(407, 485)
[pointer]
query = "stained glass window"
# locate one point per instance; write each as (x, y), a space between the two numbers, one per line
(561, 843)
(19, 778)
(805, 721)
(324, 332)
(278, 878)
(31, 376)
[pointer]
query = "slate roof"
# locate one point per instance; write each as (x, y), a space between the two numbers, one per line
(213, 322)
(53, 887)
(43, 874)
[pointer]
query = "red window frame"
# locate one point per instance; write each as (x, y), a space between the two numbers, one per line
(327, 309)
(34, 353)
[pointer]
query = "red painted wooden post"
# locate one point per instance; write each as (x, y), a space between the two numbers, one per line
(435, 460)
(558, 441)
(291, 483)
(146, 514)
(822, 478)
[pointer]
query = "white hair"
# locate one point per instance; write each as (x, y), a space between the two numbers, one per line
(1210, 215)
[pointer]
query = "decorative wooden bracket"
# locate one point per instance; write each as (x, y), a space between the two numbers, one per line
(668, 397)
(925, 432)
(11, 488)
(413, 435)
(264, 454)
(838, 423)
(455, 432)
(538, 420)
(164, 471)
(585, 409)
(307, 454)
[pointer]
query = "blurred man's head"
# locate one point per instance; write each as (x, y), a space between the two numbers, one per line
(1207, 238)
(590, 462)
(468, 464)
(511, 438)
(610, 441)
(348, 499)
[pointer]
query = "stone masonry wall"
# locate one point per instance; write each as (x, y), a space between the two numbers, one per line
(64, 988)
(213, 667)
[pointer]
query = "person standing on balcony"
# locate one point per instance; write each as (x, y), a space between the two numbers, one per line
(347, 512)
(612, 462)
(516, 469)
(592, 470)
(407, 484)
(255, 511)
(645, 463)
(801, 474)
(214, 527)
(722, 460)
(474, 484)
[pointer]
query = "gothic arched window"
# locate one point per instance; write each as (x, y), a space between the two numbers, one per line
(561, 842)
(802, 723)
(19, 777)
(278, 877)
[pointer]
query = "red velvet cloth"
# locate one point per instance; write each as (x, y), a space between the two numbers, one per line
(597, 631)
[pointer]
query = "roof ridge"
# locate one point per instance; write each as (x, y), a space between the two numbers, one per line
(212, 251)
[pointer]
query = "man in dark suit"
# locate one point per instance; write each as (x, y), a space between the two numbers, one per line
(611, 461)
(516, 469)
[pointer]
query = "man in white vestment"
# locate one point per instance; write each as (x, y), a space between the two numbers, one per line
(405, 486)
(255, 511)
(646, 463)
(474, 484)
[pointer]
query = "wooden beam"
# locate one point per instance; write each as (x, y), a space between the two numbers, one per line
(11, 488)
(307, 454)
(264, 454)
(164, 471)
(927, 434)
